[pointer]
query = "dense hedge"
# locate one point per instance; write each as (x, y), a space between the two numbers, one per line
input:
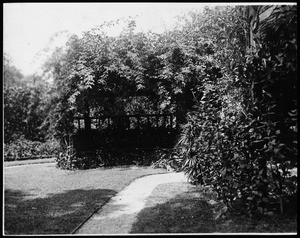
(22, 149)
(241, 138)
(241, 157)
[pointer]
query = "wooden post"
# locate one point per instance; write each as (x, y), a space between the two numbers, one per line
(138, 119)
(148, 121)
(129, 121)
(71, 144)
(176, 122)
(87, 122)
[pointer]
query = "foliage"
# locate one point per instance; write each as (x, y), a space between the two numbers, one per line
(134, 72)
(16, 101)
(241, 137)
(25, 107)
(11, 75)
(166, 159)
(27, 149)
(106, 158)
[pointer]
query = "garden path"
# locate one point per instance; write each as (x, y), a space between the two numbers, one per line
(118, 215)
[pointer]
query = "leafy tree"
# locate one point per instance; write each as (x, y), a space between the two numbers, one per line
(24, 113)
(11, 75)
(37, 109)
(16, 101)
(95, 72)
(24, 103)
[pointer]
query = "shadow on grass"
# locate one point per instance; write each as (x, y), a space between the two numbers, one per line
(187, 214)
(178, 215)
(54, 214)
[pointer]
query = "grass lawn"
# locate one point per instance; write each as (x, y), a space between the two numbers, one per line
(41, 199)
(184, 208)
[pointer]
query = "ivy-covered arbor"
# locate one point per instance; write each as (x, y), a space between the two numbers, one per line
(137, 86)
(124, 126)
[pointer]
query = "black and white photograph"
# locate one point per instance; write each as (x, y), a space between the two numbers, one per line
(149, 118)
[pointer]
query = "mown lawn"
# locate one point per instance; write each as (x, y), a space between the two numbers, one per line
(184, 208)
(41, 199)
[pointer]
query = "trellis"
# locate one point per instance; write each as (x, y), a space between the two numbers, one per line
(126, 132)
(123, 132)
(133, 121)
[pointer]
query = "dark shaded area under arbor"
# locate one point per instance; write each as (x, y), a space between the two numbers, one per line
(125, 132)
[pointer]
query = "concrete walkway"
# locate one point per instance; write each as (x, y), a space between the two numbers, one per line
(118, 215)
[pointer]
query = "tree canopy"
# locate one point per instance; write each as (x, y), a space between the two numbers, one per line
(95, 71)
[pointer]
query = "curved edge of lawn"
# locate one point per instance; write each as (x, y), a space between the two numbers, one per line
(28, 162)
(50, 209)
(163, 171)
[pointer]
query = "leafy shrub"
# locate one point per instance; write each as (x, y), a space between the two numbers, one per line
(50, 147)
(70, 161)
(24, 111)
(27, 149)
(241, 156)
(101, 158)
(241, 139)
(166, 159)
(16, 102)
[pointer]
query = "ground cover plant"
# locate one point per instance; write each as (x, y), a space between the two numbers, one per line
(41, 199)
